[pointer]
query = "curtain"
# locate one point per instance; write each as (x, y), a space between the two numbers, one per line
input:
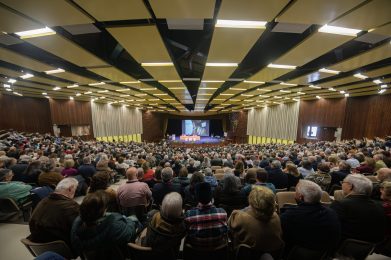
(278, 121)
(109, 120)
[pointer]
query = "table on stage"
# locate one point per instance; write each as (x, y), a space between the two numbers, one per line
(190, 138)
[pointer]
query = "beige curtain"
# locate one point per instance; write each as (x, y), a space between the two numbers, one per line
(278, 121)
(109, 120)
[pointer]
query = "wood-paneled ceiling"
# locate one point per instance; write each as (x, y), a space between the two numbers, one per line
(103, 47)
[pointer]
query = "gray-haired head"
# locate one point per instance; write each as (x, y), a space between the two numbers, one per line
(171, 206)
(360, 184)
(310, 191)
(276, 164)
(167, 174)
(208, 172)
(67, 187)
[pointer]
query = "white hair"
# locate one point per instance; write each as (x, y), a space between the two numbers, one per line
(311, 192)
(66, 183)
(276, 164)
(360, 184)
(172, 205)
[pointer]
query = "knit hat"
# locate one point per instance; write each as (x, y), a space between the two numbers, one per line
(203, 192)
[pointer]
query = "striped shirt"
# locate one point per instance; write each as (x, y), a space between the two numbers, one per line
(206, 226)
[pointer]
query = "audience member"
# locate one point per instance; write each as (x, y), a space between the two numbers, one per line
(321, 177)
(87, 170)
(160, 190)
(49, 177)
(15, 190)
(276, 176)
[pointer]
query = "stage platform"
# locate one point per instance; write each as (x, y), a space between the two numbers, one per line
(203, 140)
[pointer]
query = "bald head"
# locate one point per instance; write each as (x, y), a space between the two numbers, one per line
(131, 173)
(383, 173)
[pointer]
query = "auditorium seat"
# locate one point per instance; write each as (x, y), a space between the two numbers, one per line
(191, 252)
(355, 249)
(214, 168)
(285, 198)
(219, 171)
(303, 253)
(11, 212)
(58, 246)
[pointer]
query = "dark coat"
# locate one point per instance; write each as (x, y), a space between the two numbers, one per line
(311, 226)
(278, 178)
(87, 171)
(160, 190)
(52, 219)
(338, 176)
(361, 218)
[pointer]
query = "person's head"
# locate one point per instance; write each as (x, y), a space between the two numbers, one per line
(6, 175)
(172, 206)
(323, 168)
(383, 173)
(87, 160)
(203, 193)
(120, 160)
(307, 165)
(276, 164)
(93, 207)
(208, 172)
(262, 175)
(69, 163)
(230, 185)
(140, 173)
(262, 201)
(48, 166)
(167, 174)
(385, 190)
(292, 169)
(344, 166)
(333, 160)
(308, 192)
(370, 162)
(197, 177)
(145, 167)
(99, 181)
(251, 176)
(67, 187)
(25, 159)
(131, 173)
(183, 172)
(357, 184)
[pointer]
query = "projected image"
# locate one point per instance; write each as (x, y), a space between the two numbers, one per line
(312, 131)
(195, 127)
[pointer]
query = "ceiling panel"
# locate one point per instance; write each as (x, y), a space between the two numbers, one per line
(112, 73)
(104, 10)
(338, 82)
(163, 73)
(251, 10)
(269, 74)
(370, 15)
(384, 30)
(311, 48)
(10, 73)
(49, 81)
(232, 44)
(378, 72)
(23, 61)
(74, 77)
(183, 9)
(142, 42)
(379, 53)
(66, 50)
(218, 73)
(316, 11)
(49, 12)
(11, 22)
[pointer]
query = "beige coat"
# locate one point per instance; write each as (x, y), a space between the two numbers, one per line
(245, 228)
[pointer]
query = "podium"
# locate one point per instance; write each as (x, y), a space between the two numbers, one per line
(190, 138)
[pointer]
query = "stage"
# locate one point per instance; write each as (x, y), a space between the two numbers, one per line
(203, 140)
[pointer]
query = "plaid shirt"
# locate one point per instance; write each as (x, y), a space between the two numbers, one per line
(206, 225)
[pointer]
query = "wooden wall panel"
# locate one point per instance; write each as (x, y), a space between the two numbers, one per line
(25, 114)
(367, 116)
(153, 126)
(321, 113)
(237, 126)
(70, 112)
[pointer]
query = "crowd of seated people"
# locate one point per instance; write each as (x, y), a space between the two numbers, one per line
(211, 196)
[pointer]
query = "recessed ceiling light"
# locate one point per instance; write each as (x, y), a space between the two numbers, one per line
(221, 64)
(121, 90)
(360, 76)
(225, 94)
(324, 70)
(26, 76)
(148, 89)
(246, 95)
(6, 86)
(332, 89)
(140, 95)
(376, 81)
(44, 93)
(8, 89)
(78, 94)
(125, 95)
(383, 86)
(382, 91)
(59, 70)
(347, 94)
(35, 33)
(56, 88)
(277, 97)
(170, 81)
(177, 88)
(168, 99)
(88, 92)
(103, 91)
(212, 81)
(73, 86)
(18, 94)
(12, 81)
(285, 91)
(47, 97)
(239, 89)
(130, 82)
(161, 94)
(157, 64)
(96, 84)
(241, 24)
(71, 98)
(342, 92)
(318, 97)
(301, 93)
(339, 30)
(313, 86)
(263, 89)
(207, 88)
(281, 66)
